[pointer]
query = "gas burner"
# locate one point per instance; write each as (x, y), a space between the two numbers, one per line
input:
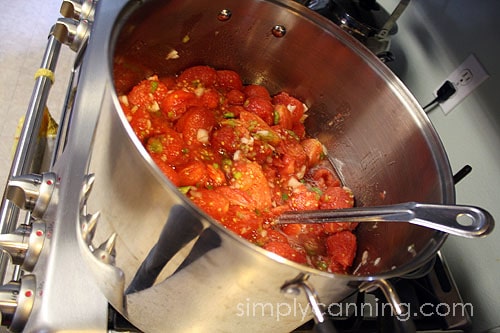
(430, 293)
(366, 20)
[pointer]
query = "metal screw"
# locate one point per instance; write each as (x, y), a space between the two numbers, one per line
(279, 31)
(224, 15)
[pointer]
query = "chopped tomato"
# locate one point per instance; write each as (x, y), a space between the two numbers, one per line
(140, 94)
(282, 117)
(169, 147)
(295, 106)
(292, 229)
(243, 221)
(259, 128)
(216, 176)
(225, 140)
(248, 177)
(177, 102)
(235, 97)
(195, 125)
(244, 158)
(304, 200)
(167, 170)
(209, 98)
(126, 75)
(232, 111)
(211, 202)
(314, 151)
(159, 124)
(229, 80)
(341, 247)
(336, 197)
(237, 197)
(293, 159)
(324, 178)
(202, 153)
(253, 90)
(198, 75)
(194, 173)
(286, 251)
(262, 107)
(140, 120)
(300, 130)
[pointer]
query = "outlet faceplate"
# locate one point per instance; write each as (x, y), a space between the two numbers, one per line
(467, 77)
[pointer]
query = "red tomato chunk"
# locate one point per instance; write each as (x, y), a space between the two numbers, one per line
(243, 157)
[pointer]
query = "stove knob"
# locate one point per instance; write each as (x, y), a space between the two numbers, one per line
(32, 192)
(78, 10)
(16, 302)
(71, 32)
(24, 244)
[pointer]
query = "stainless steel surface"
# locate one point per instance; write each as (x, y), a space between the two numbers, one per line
(78, 10)
(24, 244)
(163, 242)
(71, 32)
(29, 139)
(16, 302)
(464, 221)
(294, 287)
(402, 314)
(47, 300)
(31, 192)
(112, 212)
(426, 69)
(65, 297)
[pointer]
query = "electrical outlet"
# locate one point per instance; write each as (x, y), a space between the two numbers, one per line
(467, 77)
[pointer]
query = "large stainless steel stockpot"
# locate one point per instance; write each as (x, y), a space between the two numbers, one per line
(176, 269)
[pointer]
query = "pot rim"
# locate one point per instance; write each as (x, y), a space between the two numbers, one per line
(432, 247)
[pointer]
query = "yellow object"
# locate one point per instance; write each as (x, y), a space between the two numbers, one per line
(45, 72)
(48, 128)
(49, 125)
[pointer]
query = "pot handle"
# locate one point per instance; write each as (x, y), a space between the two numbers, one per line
(293, 287)
(396, 13)
(402, 316)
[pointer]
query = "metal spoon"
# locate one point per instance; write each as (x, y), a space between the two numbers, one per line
(465, 221)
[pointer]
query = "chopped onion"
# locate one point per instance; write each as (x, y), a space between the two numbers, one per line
(202, 135)
(294, 182)
(247, 141)
(263, 133)
(172, 55)
(154, 107)
(237, 155)
(300, 174)
(124, 100)
(199, 91)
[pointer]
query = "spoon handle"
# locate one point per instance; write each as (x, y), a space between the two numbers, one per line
(465, 221)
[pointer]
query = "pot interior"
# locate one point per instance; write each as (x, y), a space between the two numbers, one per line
(379, 140)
